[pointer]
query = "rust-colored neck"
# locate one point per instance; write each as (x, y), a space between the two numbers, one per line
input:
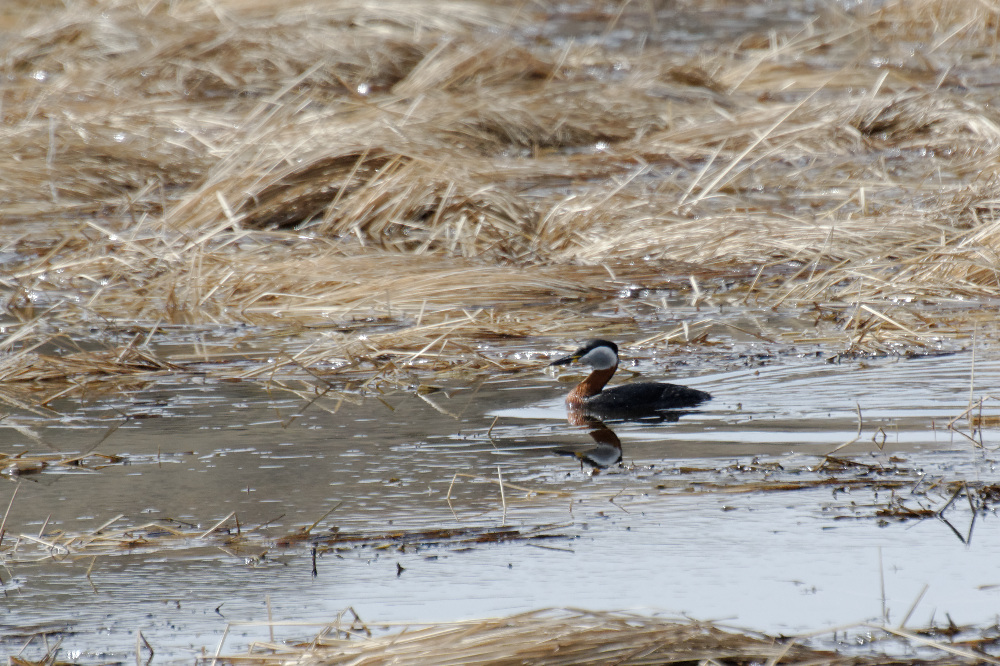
(590, 386)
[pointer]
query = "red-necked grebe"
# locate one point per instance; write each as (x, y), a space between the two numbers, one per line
(625, 400)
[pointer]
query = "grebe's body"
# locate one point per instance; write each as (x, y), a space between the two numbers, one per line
(626, 400)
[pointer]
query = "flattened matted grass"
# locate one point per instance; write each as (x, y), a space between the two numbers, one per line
(278, 164)
(570, 636)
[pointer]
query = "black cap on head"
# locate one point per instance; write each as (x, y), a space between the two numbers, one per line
(597, 342)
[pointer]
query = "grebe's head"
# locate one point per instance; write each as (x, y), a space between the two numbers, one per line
(598, 354)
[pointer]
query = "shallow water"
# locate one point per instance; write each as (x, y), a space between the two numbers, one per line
(679, 529)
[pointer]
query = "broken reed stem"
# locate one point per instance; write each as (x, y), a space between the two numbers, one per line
(107, 524)
(954, 496)
(3, 524)
(857, 435)
(503, 498)
(270, 618)
(913, 606)
(222, 641)
(972, 367)
(973, 657)
(972, 426)
(881, 584)
(41, 530)
(321, 518)
(216, 526)
(789, 644)
(147, 645)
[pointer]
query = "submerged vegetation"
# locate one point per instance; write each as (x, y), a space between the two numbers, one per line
(569, 636)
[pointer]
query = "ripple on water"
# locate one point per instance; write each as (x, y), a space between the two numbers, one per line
(669, 532)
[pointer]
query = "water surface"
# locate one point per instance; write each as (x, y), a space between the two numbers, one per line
(663, 533)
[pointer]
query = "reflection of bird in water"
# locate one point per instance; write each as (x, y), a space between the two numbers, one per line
(633, 400)
(608, 451)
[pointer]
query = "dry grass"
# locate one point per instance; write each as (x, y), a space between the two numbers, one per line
(349, 192)
(392, 180)
(561, 637)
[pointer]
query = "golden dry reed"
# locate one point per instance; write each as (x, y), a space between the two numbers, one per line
(398, 182)
(572, 637)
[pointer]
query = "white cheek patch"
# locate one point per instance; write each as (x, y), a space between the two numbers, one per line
(600, 358)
